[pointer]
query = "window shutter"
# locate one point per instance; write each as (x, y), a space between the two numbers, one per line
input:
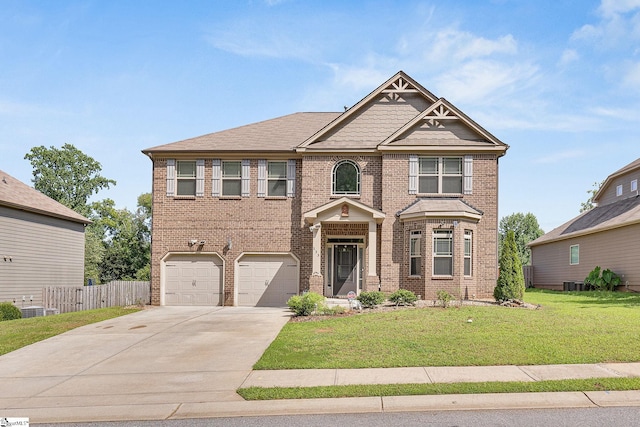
(246, 177)
(468, 175)
(171, 177)
(216, 178)
(199, 177)
(291, 178)
(413, 174)
(262, 178)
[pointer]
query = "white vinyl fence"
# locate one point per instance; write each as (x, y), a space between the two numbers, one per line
(118, 293)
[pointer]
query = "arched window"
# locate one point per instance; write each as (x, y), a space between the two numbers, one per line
(346, 178)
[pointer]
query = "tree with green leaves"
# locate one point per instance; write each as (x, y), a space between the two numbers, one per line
(588, 205)
(126, 240)
(525, 228)
(510, 284)
(67, 175)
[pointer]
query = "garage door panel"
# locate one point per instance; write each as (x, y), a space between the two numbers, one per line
(267, 280)
(193, 280)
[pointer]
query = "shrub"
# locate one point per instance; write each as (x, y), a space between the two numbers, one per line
(330, 311)
(371, 299)
(306, 304)
(510, 284)
(9, 311)
(403, 297)
(605, 282)
(445, 298)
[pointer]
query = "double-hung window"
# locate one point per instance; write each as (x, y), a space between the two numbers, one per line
(186, 178)
(277, 179)
(231, 178)
(442, 253)
(468, 252)
(438, 175)
(634, 185)
(415, 255)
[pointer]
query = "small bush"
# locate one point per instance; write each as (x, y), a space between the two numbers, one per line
(330, 311)
(306, 304)
(9, 311)
(445, 298)
(403, 297)
(371, 299)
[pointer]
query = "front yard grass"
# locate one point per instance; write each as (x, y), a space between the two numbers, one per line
(18, 333)
(574, 327)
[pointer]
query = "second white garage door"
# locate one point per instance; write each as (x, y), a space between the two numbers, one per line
(267, 280)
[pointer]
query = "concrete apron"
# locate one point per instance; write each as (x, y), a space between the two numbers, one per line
(141, 366)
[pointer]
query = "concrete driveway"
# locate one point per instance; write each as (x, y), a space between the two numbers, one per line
(141, 366)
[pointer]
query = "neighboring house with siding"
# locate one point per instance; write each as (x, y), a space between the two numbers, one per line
(398, 191)
(41, 243)
(607, 236)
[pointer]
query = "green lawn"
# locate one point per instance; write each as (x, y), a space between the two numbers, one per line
(576, 327)
(15, 334)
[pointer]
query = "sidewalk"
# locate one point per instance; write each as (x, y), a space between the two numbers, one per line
(427, 375)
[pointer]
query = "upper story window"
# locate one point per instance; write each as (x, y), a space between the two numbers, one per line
(277, 179)
(442, 253)
(619, 190)
(438, 175)
(186, 177)
(231, 178)
(634, 185)
(346, 178)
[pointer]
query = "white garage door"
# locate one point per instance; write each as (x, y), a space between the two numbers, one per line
(193, 280)
(267, 280)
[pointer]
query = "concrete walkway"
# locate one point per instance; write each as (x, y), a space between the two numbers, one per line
(180, 362)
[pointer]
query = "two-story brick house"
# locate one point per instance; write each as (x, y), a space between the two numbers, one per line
(607, 236)
(398, 191)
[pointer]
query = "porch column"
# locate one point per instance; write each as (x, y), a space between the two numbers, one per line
(373, 249)
(317, 250)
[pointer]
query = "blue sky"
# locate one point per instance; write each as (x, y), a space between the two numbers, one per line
(559, 81)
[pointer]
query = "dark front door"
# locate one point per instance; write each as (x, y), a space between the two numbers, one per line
(345, 274)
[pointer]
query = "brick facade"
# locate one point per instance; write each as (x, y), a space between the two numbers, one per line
(277, 225)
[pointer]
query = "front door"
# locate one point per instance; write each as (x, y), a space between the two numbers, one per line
(345, 274)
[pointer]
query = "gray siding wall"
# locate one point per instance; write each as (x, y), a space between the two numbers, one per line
(609, 195)
(40, 251)
(617, 250)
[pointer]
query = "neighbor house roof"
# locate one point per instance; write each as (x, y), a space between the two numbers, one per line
(439, 208)
(614, 215)
(15, 194)
(631, 166)
(279, 134)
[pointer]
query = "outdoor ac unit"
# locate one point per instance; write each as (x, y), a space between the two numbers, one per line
(51, 311)
(33, 311)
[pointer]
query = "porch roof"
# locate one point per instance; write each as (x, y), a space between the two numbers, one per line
(439, 208)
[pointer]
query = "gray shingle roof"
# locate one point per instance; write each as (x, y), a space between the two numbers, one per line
(617, 214)
(16, 194)
(279, 134)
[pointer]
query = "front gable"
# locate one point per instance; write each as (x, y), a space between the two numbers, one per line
(442, 126)
(374, 118)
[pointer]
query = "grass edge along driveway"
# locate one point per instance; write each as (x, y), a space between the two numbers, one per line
(574, 327)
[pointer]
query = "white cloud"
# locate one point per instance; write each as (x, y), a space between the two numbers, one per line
(631, 76)
(475, 80)
(613, 7)
(569, 56)
(460, 45)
